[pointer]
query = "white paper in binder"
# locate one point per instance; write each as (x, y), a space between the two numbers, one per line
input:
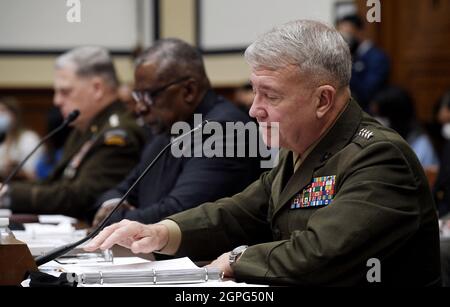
(174, 271)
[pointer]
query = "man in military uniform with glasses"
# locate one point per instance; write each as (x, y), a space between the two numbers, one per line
(171, 86)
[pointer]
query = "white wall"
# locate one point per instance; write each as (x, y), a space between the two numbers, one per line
(227, 24)
(42, 24)
(24, 22)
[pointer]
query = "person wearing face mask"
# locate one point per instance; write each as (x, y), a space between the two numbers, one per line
(370, 69)
(16, 141)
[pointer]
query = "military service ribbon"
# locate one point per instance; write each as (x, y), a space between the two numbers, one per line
(319, 193)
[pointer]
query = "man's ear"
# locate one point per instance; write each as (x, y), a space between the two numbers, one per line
(324, 97)
(98, 86)
(191, 90)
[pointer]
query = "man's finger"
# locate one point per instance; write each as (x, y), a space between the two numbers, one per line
(145, 245)
(101, 237)
(127, 231)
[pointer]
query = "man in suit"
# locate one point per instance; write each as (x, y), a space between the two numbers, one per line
(348, 204)
(370, 70)
(103, 147)
(172, 86)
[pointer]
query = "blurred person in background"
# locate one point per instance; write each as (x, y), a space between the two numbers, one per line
(16, 141)
(394, 108)
(243, 97)
(442, 185)
(442, 188)
(370, 68)
(54, 146)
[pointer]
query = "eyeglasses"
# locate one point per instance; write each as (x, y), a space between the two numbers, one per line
(148, 96)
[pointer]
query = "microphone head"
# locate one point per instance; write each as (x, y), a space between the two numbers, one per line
(72, 116)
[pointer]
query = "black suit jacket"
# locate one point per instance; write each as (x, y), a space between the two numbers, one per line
(176, 184)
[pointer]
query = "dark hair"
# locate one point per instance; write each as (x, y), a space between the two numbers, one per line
(175, 58)
(353, 19)
(397, 105)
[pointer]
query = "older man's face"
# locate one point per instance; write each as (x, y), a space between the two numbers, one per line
(281, 96)
(167, 105)
(73, 92)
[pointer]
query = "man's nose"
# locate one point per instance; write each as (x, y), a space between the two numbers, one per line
(256, 110)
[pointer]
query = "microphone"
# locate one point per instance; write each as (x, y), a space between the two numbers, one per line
(70, 118)
(55, 253)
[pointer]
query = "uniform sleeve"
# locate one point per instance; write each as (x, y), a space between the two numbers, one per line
(102, 168)
(214, 228)
(376, 209)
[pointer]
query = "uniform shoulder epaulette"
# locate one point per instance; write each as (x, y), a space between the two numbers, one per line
(365, 133)
(363, 136)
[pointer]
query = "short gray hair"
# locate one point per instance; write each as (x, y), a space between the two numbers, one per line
(90, 61)
(175, 58)
(317, 49)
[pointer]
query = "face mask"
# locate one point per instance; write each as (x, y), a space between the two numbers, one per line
(446, 131)
(383, 120)
(5, 123)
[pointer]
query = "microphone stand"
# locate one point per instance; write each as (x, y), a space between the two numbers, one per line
(57, 252)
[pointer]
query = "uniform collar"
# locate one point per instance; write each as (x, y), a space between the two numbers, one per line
(99, 120)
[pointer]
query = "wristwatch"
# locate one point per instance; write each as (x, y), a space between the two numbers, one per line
(236, 253)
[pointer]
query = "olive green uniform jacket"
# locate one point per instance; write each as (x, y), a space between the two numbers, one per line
(93, 162)
(381, 207)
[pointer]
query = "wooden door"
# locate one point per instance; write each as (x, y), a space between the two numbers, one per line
(416, 36)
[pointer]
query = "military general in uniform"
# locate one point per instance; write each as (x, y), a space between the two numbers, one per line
(104, 146)
(348, 204)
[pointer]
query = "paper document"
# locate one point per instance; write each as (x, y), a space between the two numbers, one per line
(43, 238)
(56, 219)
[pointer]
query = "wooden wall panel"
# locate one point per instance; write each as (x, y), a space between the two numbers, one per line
(416, 36)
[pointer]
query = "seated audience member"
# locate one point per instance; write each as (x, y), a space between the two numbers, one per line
(171, 86)
(394, 108)
(442, 188)
(16, 141)
(53, 147)
(442, 185)
(370, 65)
(347, 204)
(243, 97)
(103, 147)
